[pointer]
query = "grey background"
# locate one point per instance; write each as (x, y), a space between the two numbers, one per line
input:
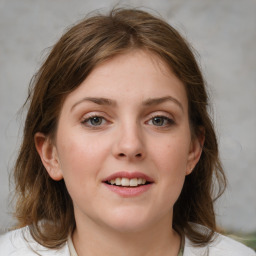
(222, 31)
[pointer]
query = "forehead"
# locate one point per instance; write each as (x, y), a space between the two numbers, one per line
(131, 76)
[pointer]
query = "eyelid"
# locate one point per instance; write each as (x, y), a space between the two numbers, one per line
(91, 115)
(94, 114)
(165, 115)
(160, 114)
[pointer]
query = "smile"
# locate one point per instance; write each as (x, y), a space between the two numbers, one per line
(128, 184)
(125, 182)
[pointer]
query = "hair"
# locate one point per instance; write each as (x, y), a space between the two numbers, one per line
(44, 204)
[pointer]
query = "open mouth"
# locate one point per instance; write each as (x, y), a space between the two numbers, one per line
(126, 182)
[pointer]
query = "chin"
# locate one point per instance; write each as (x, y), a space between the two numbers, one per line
(129, 221)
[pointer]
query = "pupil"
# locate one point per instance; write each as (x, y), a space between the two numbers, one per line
(158, 121)
(96, 120)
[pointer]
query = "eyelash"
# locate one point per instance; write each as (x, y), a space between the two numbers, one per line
(166, 121)
(90, 119)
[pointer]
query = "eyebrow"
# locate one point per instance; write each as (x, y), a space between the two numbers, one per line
(99, 101)
(148, 102)
(157, 101)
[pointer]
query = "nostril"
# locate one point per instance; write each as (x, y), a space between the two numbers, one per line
(139, 155)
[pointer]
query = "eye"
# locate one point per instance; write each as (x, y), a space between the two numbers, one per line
(160, 121)
(94, 121)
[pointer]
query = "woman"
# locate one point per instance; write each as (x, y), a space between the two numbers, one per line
(119, 153)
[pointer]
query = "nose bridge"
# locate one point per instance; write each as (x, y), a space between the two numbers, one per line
(129, 142)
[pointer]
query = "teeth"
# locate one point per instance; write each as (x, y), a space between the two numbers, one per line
(133, 182)
(125, 182)
(118, 181)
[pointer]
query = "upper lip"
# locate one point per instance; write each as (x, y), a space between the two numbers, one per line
(128, 175)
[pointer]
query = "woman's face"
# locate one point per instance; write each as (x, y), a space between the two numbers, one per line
(123, 144)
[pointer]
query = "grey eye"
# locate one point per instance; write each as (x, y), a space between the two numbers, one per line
(161, 121)
(95, 121)
(158, 121)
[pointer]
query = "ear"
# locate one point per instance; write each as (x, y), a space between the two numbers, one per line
(195, 151)
(48, 154)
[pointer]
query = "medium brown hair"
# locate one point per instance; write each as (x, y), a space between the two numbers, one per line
(44, 204)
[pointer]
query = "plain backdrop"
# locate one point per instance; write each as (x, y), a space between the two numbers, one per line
(222, 31)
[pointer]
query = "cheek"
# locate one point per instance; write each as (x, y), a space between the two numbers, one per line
(170, 160)
(172, 154)
(80, 157)
(77, 149)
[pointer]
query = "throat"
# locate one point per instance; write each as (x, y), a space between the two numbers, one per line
(136, 244)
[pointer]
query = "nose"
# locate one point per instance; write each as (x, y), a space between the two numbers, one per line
(129, 144)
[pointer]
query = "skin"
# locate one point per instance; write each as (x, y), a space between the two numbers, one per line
(124, 136)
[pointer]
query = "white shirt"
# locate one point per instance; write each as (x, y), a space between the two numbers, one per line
(14, 244)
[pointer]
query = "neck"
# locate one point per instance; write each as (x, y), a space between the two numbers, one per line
(95, 240)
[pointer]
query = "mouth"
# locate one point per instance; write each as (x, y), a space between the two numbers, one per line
(126, 182)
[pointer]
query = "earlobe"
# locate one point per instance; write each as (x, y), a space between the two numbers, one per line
(48, 154)
(196, 149)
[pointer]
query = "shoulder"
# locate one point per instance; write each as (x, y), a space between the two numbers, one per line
(221, 246)
(232, 247)
(19, 243)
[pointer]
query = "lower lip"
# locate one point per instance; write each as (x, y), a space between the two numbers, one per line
(128, 191)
